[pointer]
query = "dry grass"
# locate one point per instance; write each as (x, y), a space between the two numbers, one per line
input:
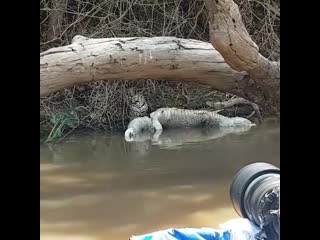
(102, 105)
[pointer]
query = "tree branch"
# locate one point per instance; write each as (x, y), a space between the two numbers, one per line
(236, 101)
(229, 36)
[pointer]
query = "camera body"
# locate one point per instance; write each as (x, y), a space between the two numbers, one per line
(255, 194)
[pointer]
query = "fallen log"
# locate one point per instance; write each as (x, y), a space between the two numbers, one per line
(160, 58)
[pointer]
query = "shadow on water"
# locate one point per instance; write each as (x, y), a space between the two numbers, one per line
(101, 187)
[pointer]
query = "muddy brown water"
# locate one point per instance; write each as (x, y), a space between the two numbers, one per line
(97, 186)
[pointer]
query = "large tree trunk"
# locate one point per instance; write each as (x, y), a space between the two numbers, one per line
(159, 58)
(229, 36)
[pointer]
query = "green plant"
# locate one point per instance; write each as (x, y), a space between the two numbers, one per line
(62, 122)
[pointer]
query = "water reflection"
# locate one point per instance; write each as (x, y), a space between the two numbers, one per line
(174, 138)
(101, 187)
(141, 143)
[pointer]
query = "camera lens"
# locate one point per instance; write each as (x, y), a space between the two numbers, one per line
(250, 189)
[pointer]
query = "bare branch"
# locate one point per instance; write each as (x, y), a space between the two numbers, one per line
(236, 101)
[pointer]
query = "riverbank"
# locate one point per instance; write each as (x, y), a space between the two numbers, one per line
(103, 106)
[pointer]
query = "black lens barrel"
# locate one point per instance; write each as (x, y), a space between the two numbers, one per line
(245, 177)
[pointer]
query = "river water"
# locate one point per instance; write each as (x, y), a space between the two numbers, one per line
(98, 186)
